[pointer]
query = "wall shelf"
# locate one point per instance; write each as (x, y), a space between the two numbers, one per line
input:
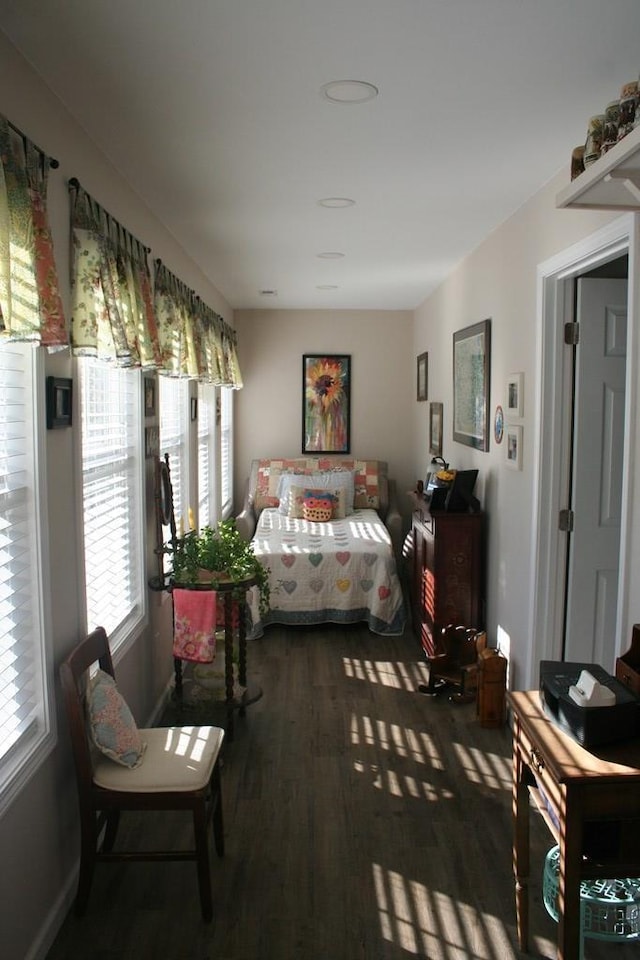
(611, 183)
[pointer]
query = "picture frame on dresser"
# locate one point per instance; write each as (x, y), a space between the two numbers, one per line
(471, 385)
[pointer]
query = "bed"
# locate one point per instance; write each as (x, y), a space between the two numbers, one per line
(338, 570)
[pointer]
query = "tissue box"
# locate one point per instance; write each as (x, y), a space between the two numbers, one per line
(590, 726)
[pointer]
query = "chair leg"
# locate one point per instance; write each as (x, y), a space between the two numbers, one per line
(113, 819)
(88, 841)
(202, 859)
(218, 819)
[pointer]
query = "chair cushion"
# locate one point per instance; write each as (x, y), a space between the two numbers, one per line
(176, 759)
(113, 728)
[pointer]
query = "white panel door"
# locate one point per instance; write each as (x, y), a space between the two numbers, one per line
(596, 499)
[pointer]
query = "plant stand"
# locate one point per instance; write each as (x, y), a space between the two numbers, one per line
(232, 591)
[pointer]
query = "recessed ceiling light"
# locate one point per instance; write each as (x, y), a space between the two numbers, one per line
(349, 91)
(330, 255)
(327, 286)
(336, 202)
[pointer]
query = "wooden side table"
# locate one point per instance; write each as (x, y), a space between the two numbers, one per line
(232, 591)
(590, 802)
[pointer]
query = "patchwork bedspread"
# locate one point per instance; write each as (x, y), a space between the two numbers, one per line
(342, 571)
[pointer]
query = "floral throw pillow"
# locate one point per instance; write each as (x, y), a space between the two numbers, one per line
(113, 728)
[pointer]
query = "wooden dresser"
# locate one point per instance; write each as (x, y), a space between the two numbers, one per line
(447, 572)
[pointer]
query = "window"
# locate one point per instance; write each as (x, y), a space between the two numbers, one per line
(174, 440)
(26, 733)
(226, 451)
(112, 495)
(207, 459)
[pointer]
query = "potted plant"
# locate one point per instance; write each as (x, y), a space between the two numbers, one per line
(217, 556)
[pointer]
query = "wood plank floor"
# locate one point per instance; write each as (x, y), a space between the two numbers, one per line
(362, 820)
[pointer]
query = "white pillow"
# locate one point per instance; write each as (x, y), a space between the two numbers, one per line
(330, 480)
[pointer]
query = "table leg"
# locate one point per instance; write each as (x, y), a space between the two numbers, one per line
(228, 660)
(242, 648)
(570, 856)
(177, 674)
(521, 856)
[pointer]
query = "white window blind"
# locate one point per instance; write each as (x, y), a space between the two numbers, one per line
(226, 451)
(25, 725)
(207, 481)
(111, 496)
(174, 435)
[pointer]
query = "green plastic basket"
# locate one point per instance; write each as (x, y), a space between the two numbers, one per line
(610, 909)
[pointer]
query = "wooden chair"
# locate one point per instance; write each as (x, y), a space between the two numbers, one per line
(180, 770)
(455, 663)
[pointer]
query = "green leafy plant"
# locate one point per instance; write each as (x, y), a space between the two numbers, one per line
(217, 556)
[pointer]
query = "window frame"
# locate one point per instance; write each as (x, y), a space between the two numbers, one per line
(132, 624)
(28, 754)
(226, 428)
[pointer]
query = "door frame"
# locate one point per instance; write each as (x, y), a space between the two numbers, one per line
(554, 306)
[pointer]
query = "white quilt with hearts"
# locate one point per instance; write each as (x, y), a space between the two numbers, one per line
(342, 571)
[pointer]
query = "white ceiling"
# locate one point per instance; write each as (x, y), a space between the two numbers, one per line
(212, 111)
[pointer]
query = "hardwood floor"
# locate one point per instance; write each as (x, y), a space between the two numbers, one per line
(362, 820)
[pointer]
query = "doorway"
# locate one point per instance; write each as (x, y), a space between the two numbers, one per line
(596, 395)
(563, 599)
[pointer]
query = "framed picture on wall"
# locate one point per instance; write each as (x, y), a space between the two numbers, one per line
(515, 399)
(471, 385)
(326, 403)
(435, 429)
(422, 376)
(513, 452)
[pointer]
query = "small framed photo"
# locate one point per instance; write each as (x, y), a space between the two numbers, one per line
(422, 376)
(59, 402)
(151, 442)
(149, 396)
(435, 429)
(194, 408)
(515, 397)
(513, 452)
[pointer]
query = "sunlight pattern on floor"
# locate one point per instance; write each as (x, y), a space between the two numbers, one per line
(452, 930)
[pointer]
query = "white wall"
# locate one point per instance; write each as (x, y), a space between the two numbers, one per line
(39, 832)
(499, 281)
(268, 409)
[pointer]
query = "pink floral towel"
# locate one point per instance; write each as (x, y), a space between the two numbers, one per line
(194, 630)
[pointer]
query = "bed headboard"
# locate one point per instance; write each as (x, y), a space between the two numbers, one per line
(373, 488)
(371, 479)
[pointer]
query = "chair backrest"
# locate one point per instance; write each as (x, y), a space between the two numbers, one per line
(73, 677)
(460, 644)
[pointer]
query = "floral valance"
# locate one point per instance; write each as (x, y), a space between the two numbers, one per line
(30, 303)
(194, 340)
(112, 301)
(120, 316)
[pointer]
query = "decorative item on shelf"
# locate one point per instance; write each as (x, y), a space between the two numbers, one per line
(577, 161)
(217, 556)
(593, 144)
(611, 125)
(628, 96)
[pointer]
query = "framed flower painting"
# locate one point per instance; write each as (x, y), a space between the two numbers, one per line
(326, 391)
